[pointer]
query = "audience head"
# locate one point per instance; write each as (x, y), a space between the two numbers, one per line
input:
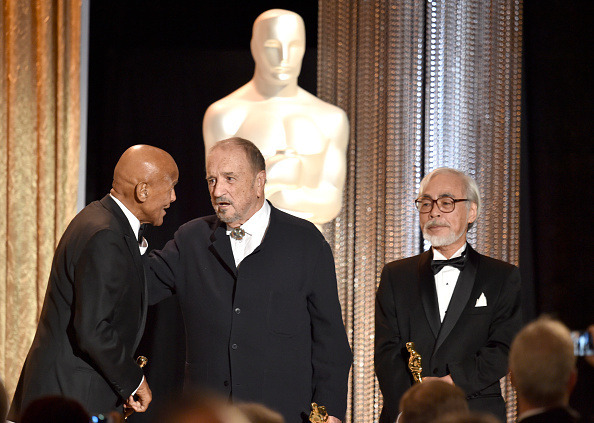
(424, 402)
(469, 417)
(200, 407)
(542, 364)
(258, 413)
(54, 408)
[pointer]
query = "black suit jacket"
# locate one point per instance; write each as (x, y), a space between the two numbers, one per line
(553, 415)
(92, 317)
(269, 331)
(471, 344)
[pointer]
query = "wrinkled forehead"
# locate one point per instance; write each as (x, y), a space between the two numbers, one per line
(287, 27)
(231, 158)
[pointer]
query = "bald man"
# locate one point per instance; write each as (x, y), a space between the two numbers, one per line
(95, 305)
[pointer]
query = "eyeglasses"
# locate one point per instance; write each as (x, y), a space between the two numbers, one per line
(444, 204)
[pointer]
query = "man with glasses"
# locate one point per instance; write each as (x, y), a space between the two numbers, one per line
(460, 308)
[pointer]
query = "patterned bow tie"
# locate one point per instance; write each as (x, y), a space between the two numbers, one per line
(457, 262)
(141, 232)
(237, 233)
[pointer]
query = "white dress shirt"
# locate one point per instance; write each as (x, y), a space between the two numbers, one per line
(254, 228)
(445, 281)
(134, 223)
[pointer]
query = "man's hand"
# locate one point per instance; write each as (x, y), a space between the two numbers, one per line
(446, 378)
(145, 397)
(332, 419)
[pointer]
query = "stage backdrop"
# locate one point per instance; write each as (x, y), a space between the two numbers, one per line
(39, 141)
(425, 85)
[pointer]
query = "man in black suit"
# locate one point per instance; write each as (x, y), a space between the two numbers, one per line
(258, 293)
(95, 305)
(461, 314)
(543, 371)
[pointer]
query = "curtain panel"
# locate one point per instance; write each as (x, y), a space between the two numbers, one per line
(39, 139)
(425, 85)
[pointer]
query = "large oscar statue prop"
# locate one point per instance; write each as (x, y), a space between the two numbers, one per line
(302, 138)
(414, 362)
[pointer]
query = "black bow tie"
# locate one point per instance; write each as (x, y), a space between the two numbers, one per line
(457, 262)
(141, 232)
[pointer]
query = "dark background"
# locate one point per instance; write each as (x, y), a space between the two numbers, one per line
(155, 66)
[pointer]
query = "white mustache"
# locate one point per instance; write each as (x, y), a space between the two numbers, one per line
(432, 223)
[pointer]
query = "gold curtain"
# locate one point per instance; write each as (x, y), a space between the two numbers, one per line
(425, 84)
(39, 142)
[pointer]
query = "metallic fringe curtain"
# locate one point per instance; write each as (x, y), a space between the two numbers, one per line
(39, 142)
(425, 85)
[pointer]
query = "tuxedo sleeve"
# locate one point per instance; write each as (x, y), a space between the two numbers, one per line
(99, 287)
(162, 267)
(390, 366)
(331, 353)
(483, 368)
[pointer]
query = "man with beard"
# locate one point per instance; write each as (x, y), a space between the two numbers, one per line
(257, 289)
(460, 308)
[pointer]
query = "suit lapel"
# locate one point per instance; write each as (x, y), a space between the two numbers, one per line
(428, 292)
(460, 296)
(221, 247)
(132, 244)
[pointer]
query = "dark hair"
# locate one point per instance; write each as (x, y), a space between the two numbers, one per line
(54, 408)
(254, 155)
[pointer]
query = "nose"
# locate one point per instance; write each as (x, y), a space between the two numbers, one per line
(284, 51)
(434, 212)
(218, 189)
(173, 197)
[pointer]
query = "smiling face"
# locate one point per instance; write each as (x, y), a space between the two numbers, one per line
(447, 231)
(160, 193)
(278, 46)
(236, 189)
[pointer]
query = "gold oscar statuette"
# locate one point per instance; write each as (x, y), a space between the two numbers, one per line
(141, 361)
(318, 413)
(414, 362)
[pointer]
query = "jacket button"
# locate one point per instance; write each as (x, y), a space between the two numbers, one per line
(237, 310)
(226, 383)
(434, 371)
(234, 346)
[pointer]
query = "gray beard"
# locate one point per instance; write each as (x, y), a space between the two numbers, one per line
(444, 240)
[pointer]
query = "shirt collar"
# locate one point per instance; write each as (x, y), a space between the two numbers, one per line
(438, 256)
(258, 222)
(134, 222)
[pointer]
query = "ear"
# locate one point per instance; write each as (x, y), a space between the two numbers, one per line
(141, 192)
(472, 213)
(260, 182)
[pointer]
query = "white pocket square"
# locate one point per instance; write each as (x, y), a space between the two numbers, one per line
(481, 301)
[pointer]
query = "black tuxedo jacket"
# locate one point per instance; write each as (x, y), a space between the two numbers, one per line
(471, 343)
(92, 317)
(553, 415)
(268, 331)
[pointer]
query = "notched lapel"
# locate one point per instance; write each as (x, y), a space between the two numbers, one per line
(460, 296)
(221, 248)
(428, 292)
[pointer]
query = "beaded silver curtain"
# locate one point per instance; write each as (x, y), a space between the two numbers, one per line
(425, 84)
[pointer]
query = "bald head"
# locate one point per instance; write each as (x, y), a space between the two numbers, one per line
(143, 180)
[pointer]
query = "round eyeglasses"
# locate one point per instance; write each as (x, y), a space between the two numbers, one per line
(444, 204)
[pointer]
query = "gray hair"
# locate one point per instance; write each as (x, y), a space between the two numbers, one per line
(541, 360)
(473, 194)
